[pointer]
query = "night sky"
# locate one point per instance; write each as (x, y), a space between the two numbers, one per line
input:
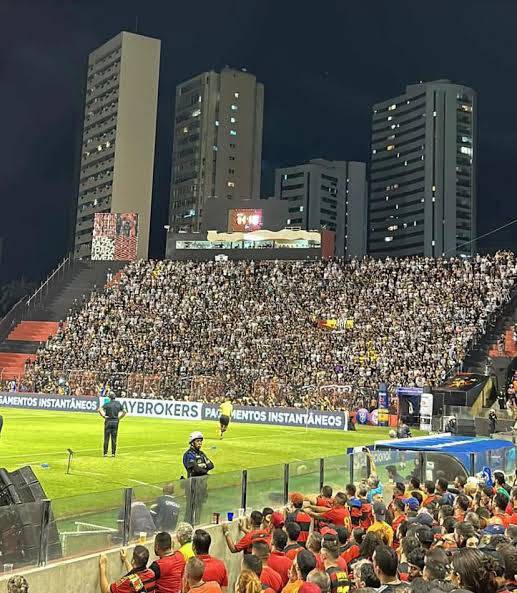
(323, 65)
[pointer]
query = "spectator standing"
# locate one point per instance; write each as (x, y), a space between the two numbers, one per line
(257, 533)
(385, 565)
(293, 533)
(169, 565)
(194, 571)
(304, 563)
(248, 580)
(277, 560)
(379, 526)
(139, 577)
(299, 516)
(215, 569)
(184, 534)
(268, 576)
(337, 574)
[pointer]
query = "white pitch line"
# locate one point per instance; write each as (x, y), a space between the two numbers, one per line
(145, 484)
(99, 449)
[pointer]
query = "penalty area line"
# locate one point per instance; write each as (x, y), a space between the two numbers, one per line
(146, 484)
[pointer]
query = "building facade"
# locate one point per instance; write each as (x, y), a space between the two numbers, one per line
(422, 196)
(217, 143)
(118, 140)
(327, 194)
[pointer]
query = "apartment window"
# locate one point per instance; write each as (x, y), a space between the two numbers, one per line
(390, 147)
(214, 147)
(392, 107)
(231, 184)
(231, 158)
(216, 122)
(196, 113)
(232, 145)
(236, 95)
(232, 120)
(233, 133)
(231, 171)
(185, 130)
(388, 239)
(466, 150)
(234, 108)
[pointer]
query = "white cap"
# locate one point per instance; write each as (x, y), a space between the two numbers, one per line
(195, 435)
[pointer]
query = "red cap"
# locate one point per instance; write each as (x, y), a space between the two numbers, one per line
(277, 519)
(327, 531)
(296, 497)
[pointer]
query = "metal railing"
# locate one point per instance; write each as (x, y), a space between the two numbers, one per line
(59, 273)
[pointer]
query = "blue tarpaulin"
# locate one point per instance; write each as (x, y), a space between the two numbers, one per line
(457, 446)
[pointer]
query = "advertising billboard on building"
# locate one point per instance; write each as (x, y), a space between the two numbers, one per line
(115, 236)
(244, 220)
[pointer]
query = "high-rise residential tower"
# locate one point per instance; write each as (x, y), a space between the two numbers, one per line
(422, 198)
(217, 143)
(119, 130)
(327, 194)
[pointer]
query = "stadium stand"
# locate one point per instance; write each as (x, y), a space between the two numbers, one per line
(243, 326)
(277, 332)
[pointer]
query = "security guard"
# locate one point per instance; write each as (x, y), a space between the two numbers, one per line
(197, 465)
(194, 460)
(112, 412)
(225, 414)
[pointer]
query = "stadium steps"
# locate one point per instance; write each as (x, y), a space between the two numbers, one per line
(85, 278)
(12, 365)
(33, 331)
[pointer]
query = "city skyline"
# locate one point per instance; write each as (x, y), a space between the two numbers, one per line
(301, 85)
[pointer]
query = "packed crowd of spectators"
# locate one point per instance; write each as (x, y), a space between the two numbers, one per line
(433, 537)
(282, 332)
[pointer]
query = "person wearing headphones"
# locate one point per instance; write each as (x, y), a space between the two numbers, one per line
(197, 466)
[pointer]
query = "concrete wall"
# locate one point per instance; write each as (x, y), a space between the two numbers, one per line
(81, 575)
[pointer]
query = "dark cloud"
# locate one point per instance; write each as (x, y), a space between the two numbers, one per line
(323, 65)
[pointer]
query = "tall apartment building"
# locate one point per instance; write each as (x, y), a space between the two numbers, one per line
(423, 172)
(328, 194)
(217, 143)
(117, 161)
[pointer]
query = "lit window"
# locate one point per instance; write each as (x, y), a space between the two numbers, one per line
(392, 137)
(234, 108)
(388, 239)
(393, 126)
(214, 147)
(466, 139)
(216, 122)
(99, 148)
(233, 133)
(196, 112)
(414, 223)
(231, 184)
(433, 243)
(466, 150)
(95, 202)
(434, 188)
(185, 130)
(288, 221)
(434, 113)
(374, 151)
(301, 208)
(390, 117)
(199, 99)
(108, 144)
(390, 147)
(392, 107)
(236, 95)
(393, 227)
(285, 177)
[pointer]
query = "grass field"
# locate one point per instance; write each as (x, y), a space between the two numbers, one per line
(150, 450)
(149, 455)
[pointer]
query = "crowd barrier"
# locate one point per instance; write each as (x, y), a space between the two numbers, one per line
(45, 532)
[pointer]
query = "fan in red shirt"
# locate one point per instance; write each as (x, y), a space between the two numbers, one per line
(352, 550)
(277, 559)
(194, 580)
(338, 515)
(325, 498)
(139, 578)
(398, 508)
(268, 576)
(293, 547)
(314, 546)
(366, 508)
(429, 491)
(398, 494)
(169, 566)
(300, 517)
(215, 570)
(257, 533)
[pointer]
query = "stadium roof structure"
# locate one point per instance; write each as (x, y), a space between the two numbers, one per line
(460, 447)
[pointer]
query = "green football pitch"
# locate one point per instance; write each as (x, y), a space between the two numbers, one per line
(150, 450)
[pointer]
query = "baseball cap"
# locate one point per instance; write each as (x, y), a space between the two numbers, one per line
(354, 502)
(494, 530)
(411, 502)
(277, 519)
(328, 531)
(379, 509)
(296, 497)
(422, 519)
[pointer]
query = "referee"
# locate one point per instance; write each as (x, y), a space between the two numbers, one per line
(225, 413)
(112, 412)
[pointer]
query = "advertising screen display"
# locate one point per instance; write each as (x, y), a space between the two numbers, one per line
(244, 220)
(115, 236)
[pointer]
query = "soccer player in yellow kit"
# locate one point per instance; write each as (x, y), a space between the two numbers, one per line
(225, 414)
